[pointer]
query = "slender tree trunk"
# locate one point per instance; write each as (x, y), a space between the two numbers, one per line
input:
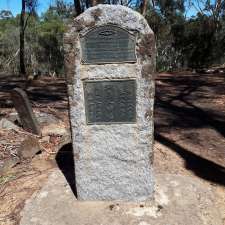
(77, 7)
(144, 6)
(153, 4)
(94, 2)
(22, 19)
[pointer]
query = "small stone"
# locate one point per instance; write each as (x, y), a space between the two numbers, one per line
(64, 141)
(7, 164)
(13, 117)
(29, 148)
(45, 139)
(54, 129)
(7, 125)
(46, 118)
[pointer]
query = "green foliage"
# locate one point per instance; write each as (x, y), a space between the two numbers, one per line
(43, 43)
(187, 42)
(50, 41)
(9, 42)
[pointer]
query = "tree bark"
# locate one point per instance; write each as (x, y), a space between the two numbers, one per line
(77, 7)
(22, 31)
(144, 6)
(94, 2)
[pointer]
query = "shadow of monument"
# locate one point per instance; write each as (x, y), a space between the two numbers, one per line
(187, 110)
(65, 162)
(203, 168)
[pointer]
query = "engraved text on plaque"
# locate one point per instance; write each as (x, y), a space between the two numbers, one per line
(110, 101)
(108, 44)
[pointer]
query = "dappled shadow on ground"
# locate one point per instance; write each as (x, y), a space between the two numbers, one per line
(65, 162)
(190, 101)
(190, 119)
(201, 167)
(41, 92)
(189, 113)
(49, 92)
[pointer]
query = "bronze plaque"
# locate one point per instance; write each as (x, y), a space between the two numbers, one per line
(110, 101)
(108, 44)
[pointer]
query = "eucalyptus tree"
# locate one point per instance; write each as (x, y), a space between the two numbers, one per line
(27, 8)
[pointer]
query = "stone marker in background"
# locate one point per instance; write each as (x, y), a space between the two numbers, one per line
(110, 63)
(25, 112)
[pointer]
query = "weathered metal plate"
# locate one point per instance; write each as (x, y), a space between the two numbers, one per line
(108, 44)
(110, 101)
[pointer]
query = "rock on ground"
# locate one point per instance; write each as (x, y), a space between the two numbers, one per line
(55, 129)
(43, 119)
(7, 125)
(46, 118)
(29, 148)
(179, 200)
(7, 164)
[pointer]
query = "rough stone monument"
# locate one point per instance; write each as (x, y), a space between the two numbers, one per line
(110, 63)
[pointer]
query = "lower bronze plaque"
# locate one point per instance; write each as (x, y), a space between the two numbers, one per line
(110, 101)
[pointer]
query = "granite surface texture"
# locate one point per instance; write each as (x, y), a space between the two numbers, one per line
(112, 161)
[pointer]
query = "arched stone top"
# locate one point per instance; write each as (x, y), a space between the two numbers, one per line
(114, 14)
(118, 15)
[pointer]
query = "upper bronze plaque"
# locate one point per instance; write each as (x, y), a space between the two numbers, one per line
(108, 44)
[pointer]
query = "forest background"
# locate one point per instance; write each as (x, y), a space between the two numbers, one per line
(31, 43)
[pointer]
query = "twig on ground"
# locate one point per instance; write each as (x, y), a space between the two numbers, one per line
(45, 149)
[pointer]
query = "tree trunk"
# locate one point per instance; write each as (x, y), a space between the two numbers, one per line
(94, 2)
(153, 4)
(144, 6)
(77, 7)
(22, 61)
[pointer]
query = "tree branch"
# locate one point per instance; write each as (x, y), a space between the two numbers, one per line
(26, 21)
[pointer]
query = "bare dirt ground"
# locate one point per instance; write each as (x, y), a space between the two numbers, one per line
(189, 133)
(190, 114)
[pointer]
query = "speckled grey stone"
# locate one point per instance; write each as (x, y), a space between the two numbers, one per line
(112, 162)
(179, 200)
